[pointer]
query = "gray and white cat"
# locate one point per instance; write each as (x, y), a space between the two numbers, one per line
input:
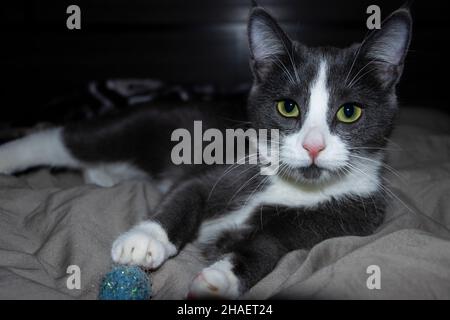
(334, 109)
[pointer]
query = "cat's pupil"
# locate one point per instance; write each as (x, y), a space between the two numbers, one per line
(289, 106)
(349, 110)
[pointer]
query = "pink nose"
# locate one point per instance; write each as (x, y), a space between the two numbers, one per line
(313, 149)
(314, 142)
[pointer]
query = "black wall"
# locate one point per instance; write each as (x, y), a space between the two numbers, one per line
(195, 41)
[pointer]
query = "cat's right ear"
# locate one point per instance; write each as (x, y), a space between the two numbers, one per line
(268, 42)
(386, 48)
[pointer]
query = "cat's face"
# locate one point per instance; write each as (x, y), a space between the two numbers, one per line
(334, 108)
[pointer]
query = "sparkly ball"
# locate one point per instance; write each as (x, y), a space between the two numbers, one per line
(125, 283)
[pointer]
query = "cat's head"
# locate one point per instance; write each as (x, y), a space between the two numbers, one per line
(334, 108)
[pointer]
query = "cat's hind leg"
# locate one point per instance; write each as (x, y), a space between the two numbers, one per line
(44, 148)
(238, 270)
(216, 281)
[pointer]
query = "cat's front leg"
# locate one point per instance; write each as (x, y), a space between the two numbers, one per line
(151, 243)
(239, 270)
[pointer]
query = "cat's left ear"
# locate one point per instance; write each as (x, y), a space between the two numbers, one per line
(268, 42)
(388, 46)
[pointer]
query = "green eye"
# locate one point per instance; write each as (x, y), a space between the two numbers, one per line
(349, 113)
(288, 108)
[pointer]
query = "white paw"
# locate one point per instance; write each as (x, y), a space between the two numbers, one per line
(215, 282)
(145, 245)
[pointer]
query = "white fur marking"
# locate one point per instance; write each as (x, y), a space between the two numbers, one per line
(41, 148)
(361, 181)
(145, 245)
(335, 153)
(210, 229)
(318, 101)
(217, 280)
(108, 175)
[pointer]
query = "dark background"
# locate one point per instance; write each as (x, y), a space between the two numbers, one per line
(195, 41)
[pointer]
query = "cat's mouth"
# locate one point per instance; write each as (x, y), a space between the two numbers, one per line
(309, 174)
(313, 172)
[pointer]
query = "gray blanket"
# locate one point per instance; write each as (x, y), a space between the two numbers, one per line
(50, 221)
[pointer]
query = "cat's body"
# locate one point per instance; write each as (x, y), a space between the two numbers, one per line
(328, 182)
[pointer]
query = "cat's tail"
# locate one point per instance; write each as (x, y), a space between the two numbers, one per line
(44, 148)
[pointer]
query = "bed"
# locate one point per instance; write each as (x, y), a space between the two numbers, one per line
(51, 220)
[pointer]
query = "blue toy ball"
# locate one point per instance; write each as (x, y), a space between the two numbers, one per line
(125, 283)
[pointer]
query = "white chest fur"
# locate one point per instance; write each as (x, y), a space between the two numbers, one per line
(360, 182)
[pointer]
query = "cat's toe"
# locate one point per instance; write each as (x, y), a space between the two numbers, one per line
(155, 254)
(117, 249)
(214, 283)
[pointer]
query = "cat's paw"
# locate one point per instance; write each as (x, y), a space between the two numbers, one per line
(145, 245)
(215, 282)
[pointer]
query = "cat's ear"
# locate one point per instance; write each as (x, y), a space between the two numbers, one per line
(268, 42)
(387, 47)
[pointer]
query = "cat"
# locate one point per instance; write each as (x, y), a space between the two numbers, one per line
(334, 109)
